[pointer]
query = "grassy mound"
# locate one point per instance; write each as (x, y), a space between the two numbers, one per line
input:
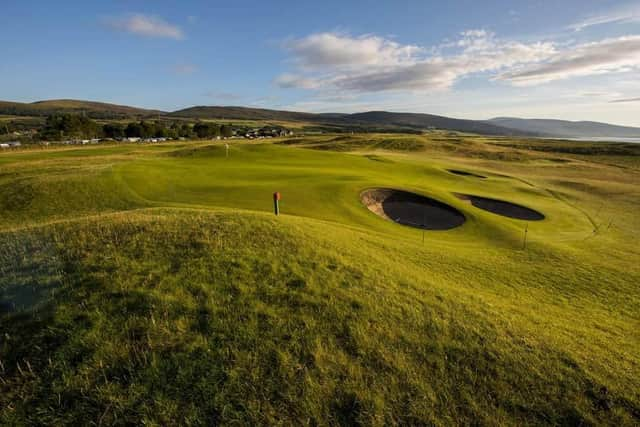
(357, 142)
(164, 316)
(153, 285)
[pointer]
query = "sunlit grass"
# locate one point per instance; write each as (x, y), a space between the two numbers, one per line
(153, 285)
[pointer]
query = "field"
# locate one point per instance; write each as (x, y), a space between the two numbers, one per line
(153, 284)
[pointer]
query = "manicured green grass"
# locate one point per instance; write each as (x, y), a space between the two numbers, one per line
(154, 285)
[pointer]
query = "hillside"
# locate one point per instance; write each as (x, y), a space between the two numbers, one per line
(566, 129)
(152, 285)
(371, 121)
(425, 121)
(378, 119)
(97, 110)
(244, 113)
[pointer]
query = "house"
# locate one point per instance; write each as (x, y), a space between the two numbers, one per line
(10, 144)
(267, 132)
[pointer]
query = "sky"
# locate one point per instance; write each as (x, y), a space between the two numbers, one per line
(561, 59)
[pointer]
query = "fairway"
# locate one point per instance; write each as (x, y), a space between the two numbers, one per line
(153, 284)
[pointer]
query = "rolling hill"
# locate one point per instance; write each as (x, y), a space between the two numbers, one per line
(565, 128)
(152, 285)
(365, 121)
(96, 110)
(245, 113)
(425, 121)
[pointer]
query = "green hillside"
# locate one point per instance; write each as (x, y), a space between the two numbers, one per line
(97, 110)
(360, 122)
(153, 285)
(243, 113)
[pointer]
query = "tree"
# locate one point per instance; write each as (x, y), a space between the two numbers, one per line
(185, 131)
(206, 130)
(226, 131)
(173, 131)
(161, 131)
(113, 130)
(59, 126)
(201, 130)
(148, 129)
(133, 130)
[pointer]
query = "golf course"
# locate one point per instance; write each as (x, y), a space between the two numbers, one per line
(409, 279)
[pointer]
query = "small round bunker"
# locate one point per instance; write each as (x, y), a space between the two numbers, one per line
(411, 209)
(504, 208)
(466, 173)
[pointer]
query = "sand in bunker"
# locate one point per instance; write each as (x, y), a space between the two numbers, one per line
(411, 209)
(501, 207)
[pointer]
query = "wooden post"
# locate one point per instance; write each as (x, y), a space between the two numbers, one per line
(276, 203)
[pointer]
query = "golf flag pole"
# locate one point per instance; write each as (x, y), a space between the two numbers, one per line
(276, 203)
(226, 146)
(424, 222)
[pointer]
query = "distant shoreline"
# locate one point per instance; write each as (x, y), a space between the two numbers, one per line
(599, 139)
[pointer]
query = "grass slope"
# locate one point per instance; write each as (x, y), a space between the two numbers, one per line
(365, 120)
(152, 285)
(99, 110)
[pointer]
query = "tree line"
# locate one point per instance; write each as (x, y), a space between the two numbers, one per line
(71, 126)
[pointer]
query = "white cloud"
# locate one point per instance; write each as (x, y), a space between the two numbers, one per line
(336, 50)
(606, 56)
(372, 64)
(288, 81)
(330, 62)
(147, 26)
(623, 14)
(185, 69)
(616, 101)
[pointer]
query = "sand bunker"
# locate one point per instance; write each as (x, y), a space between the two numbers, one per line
(411, 209)
(500, 207)
(465, 173)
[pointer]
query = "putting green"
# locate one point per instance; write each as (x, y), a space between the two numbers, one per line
(327, 185)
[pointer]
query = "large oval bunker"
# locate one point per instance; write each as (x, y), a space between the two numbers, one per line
(501, 207)
(411, 209)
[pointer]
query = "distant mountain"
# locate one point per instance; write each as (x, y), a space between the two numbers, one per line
(96, 110)
(377, 119)
(425, 121)
(373, 121)
(245, 113)
(566, 129)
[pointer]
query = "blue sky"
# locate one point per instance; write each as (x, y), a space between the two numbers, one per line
(556, 59)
